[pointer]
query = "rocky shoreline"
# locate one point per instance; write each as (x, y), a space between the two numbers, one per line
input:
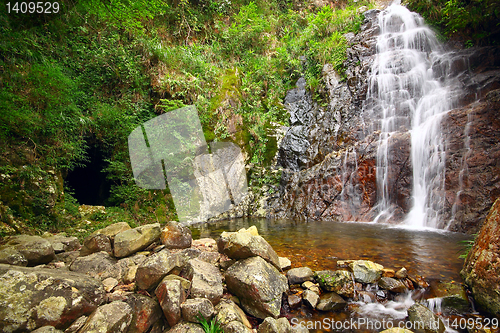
(154, 279)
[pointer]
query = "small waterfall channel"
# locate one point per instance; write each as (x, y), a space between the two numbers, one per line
(409, 101)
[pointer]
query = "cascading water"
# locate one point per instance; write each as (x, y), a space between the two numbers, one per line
(409, 101)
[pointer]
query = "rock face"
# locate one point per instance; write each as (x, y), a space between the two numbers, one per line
(259, 286)
(481, 271)
(32, 298)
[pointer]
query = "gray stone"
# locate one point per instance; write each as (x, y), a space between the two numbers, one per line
(366, 271)
(206, 280)
(401, 273)
(259, 286)
(271, 325)
(98, 265)
(294, 300)
(114, 317)
(299, 275)
(236, 327)
(228, 312)
(424, 320)
(392, 285)
(31, 297)
(62, 243)
(192, 309)
(112, 230)
(330, 302)
(243, 244)
(152, 270)
(77, 324)
(285, 263)
(338, 281)
(96, 243)
(310, 298)
(46, 329)
(34, 248)
(176, 236)
(130, 241)
(171, 295)
(11, 256)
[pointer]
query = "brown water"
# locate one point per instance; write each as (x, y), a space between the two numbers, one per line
(319, 244)
(432, 254)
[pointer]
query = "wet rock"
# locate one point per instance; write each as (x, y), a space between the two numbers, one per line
(299, 275)
(294, 301)
(285, 263)
(98, 265)
(387, 272)
(401, 273)
(206, 280)
(338, 281)
(34, 249)
(271, 325)
(112, 230)
(366, 271)
(130, 241)
(114, 317)
(31, 298)
(259, 286)
(171, 295)
(77, 324)
(155, 268)
(176, 236)
(47, 329)
(311, 286)
(194, 308)
(243, 244)
(228, 312)
(330, 302)
(310, 298)
(145, 312)
(481, 270)
(419, 315)
(186, 328)
(96, 243)
(392, 285)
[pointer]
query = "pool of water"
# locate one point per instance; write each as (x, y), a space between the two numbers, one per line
(432, 254)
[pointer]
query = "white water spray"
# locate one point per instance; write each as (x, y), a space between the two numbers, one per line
(406, 97)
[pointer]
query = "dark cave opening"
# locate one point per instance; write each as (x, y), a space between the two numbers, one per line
(89, 183)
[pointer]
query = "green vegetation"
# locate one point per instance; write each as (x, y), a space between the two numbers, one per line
(87, 76)
(212, 326)
(475, 22)
(467, 246)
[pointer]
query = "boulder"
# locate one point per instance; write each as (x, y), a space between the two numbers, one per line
(244, 244)
(171, 295)
(47, 329)
(330, 302)
(11, 256)
(192, 309)
(310, 298)
(206, 280)
(392, 285)
(96, 243)
(366, 271)
(424, 320)
(186, 328)
(36, 250)
(77, 324)
(236, 327)
(259, 286)
(338, 281)
(112, 230)
(481, 271)
(114, 317)
(62, 243)
(130, 241)
(299, 275)
(285, 263)
(34, 297)
(228, 312)
(98, 265)
(152, 270)
(176, 236)
(145, 312)
(271, 325)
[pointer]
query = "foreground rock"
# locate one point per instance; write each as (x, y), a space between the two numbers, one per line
(32, 250)
(32, 298)
(258, 284)
(130, 241)
(424, 320)
(481, 271)
(114, 317)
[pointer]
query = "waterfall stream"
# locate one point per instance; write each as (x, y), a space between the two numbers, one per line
(409, 101)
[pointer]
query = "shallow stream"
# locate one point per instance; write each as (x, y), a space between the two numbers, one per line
(433, 254)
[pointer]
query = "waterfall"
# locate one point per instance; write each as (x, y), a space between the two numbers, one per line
(408, 101)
